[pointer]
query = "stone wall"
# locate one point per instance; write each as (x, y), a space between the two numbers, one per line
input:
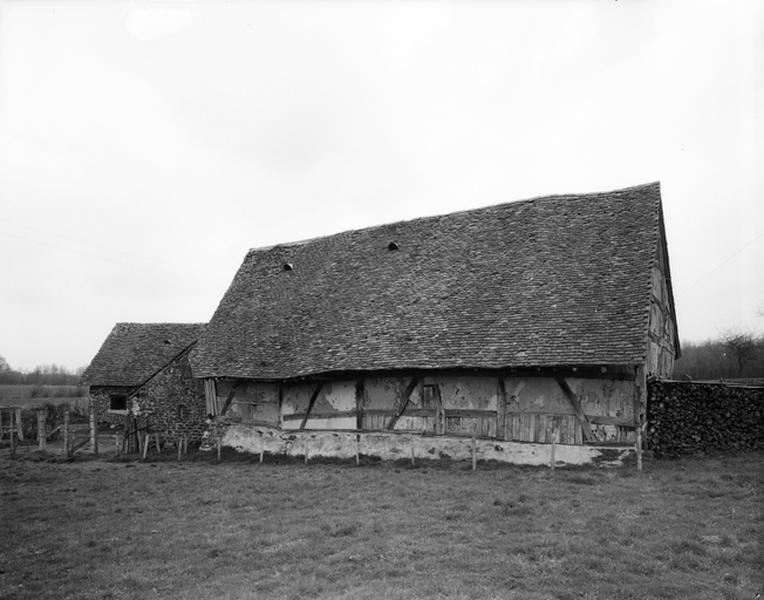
(100, 399)
(401, 445)
(172, 403)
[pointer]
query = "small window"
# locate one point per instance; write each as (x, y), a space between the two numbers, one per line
(287, 267)
(392, 246)
(117, 402)
(429, 396)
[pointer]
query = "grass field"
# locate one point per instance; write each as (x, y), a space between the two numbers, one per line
(194, 529)
(35, 396)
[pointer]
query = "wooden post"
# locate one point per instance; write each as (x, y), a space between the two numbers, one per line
(501, 410)
(185, 443)
(146, 445)
(305, 448)
(67, 441)
(156, 440)
(19, 425)
(12, 434)
(41, 437)
(474, 454)
(358, 450)
(138, 441)
(180, 446)
(93, 433)
(2, 433)
(359, 404)
(640, 401)
(261, 456)
(552, 451)
(117, 444)
(412, 457)
(219, 452)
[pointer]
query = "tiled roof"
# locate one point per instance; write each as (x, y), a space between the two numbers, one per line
(559, 280)
(133, 352)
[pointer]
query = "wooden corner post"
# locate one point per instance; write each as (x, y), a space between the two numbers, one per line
(640, 404)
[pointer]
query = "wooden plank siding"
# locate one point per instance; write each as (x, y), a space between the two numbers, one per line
(528, 409)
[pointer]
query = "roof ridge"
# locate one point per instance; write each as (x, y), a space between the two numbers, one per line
(607, 193)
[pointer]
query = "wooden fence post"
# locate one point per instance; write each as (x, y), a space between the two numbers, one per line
(2, 433)
(66, 432)
(552, 451)
(474, 455)
(19, 425)
(219, 452)
(12, 435)
(93, 433)
(41, 433)
(146, 445)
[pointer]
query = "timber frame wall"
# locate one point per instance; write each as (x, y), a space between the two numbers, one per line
(566, 405)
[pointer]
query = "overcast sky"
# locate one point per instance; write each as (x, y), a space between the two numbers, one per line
(145, 146)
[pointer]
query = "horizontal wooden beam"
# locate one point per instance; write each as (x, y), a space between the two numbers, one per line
(594, 419)
(410, 412)
(619, 372)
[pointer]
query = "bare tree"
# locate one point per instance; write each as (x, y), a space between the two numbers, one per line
(741, 346)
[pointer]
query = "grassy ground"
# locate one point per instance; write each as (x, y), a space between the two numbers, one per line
(163, 529)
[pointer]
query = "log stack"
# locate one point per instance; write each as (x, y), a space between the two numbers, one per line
(689, 418)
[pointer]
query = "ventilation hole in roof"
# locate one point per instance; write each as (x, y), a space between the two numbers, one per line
(287, 267)
(392, 246)
(168, 341)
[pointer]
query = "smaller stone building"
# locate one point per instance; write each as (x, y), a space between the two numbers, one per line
(141, 377)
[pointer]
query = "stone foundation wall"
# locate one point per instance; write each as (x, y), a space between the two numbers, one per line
(399, 445)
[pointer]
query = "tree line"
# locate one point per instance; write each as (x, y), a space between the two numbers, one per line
(733, 356)
(41, 375)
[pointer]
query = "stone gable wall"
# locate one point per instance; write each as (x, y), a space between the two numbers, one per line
(157, 404)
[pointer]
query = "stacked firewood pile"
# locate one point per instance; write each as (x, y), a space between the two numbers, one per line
(689, 418)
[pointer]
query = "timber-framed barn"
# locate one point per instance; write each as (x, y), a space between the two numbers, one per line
(535, 321)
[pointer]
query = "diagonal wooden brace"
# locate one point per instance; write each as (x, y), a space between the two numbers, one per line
(586, 427)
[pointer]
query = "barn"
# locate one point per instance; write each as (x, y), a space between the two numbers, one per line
(141, 376)
(500, 330)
